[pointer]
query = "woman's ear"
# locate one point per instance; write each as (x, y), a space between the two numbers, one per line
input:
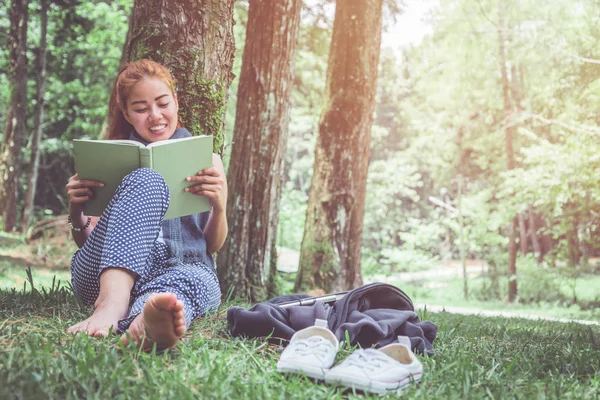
(126, 116)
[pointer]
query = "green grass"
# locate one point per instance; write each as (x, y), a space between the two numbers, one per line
(476, 358)
(15, 276)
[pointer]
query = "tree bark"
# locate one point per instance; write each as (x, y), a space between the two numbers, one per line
(10, 153)
(259, 144)
(32, 173)
(194, 40)
(508, 135)
(331, 245)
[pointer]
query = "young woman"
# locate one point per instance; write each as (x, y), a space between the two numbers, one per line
(146, 276)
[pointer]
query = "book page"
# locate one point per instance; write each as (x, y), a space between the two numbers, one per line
(105, 161)
(117, 141)
(168, 142)
(177, 159)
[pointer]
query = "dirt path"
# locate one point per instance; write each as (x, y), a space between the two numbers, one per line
(496, 313)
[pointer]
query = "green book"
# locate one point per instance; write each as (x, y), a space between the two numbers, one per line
(109, 161)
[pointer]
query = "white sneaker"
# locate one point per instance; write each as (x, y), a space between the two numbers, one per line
(311, 351)
(389, 368)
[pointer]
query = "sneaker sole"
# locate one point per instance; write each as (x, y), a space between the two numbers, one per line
(379, 387)
(308, 370)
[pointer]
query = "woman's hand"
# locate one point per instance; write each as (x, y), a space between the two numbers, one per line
(79, 192)
(211, 182)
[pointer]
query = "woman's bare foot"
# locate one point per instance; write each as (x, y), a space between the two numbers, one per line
(111, 305)
(162, 322)
(106, 315)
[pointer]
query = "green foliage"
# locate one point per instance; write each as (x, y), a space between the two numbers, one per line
(538, 283)
(559, 180)
(85, 41)
(439, 114)
(440, 111)
(292, 213)
(393, 260)
(307, 97)
(240, 15)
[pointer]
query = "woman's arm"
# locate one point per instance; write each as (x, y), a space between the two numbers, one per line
(212, 183)
(79, 192)
(80, 236)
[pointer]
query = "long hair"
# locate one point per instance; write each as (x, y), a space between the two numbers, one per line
(131, 74)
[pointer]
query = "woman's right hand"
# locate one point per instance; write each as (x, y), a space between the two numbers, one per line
(79, 192)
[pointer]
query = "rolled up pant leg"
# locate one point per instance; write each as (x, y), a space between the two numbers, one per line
(196, 285)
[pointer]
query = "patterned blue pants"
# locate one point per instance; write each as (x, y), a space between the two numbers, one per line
(125, 237)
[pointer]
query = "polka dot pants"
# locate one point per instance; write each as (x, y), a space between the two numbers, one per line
(126, 237)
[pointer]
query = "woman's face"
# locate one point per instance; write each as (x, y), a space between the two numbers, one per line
(152, 110)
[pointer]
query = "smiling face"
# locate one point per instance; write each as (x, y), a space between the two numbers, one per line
(151, 108)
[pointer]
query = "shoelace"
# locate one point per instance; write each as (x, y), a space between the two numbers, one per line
(368, 359)
(318, 348)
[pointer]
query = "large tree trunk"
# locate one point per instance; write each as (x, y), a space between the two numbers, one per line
(331, 246)
(10, 153)
(32, 173)
(508, 132)
(259, 143)
(194, 40)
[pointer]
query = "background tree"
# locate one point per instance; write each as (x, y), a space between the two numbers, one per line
(15, 123)
(195, 41)
(84, 43)
(510, 157)
(331, 246)
(34, 143)
(259, 143)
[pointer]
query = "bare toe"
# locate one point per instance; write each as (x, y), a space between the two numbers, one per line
(102, 320)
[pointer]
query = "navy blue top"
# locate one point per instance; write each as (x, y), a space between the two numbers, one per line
(184, 236)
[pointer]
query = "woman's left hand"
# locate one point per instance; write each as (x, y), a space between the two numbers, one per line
(211, 182)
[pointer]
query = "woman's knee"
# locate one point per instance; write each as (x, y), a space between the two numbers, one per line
(146, 183)
(146, 177)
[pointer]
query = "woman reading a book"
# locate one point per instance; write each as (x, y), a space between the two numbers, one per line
(145, 276)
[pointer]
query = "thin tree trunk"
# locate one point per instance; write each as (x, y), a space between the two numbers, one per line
(10, 154)
(508, 132)
(32, 173)
(534, 237)
(522, 233)
(331, 245)
(194, 40)
(259, 144)
(574, 249)
(546, 240)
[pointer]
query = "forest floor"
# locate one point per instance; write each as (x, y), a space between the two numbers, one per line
(477, 356)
